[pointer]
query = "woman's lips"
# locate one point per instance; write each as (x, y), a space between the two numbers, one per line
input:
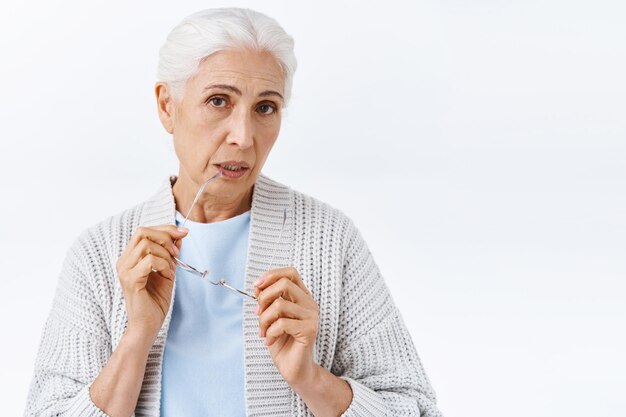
(232, 174)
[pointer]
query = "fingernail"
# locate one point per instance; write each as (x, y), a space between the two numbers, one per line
(257, 310)
(175, 249)
(183, 229)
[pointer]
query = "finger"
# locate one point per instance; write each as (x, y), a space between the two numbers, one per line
(286, 289)
(147, 247)
(300, 330)
(178, 243)
(282, 308)
(273, 275)
(138, 277)
(173, 233)
(153, 263)
(164, 235)
(144, 248)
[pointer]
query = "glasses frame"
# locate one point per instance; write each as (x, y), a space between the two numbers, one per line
(204, 274)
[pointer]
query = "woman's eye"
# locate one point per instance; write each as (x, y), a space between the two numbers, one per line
(267, 109)
(217, 101)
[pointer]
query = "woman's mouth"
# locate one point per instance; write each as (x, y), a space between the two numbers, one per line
(232, 169)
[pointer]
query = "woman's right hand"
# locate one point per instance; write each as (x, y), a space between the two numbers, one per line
(147, 293)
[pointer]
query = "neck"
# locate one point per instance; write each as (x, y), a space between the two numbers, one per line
(210, 207)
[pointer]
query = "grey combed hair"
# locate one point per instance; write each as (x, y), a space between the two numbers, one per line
(202, 33)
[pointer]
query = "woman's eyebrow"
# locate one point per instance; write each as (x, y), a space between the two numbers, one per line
(237, 91)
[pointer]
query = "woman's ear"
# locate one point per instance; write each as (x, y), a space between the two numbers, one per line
(165, 105)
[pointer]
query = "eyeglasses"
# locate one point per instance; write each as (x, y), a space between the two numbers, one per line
(204, 275)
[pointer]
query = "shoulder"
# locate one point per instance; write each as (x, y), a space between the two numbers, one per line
(110, 235)
(95, 249)
(322, 212)
(303, 203)
(318, 222)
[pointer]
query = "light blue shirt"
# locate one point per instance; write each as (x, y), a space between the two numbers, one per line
(202, 372)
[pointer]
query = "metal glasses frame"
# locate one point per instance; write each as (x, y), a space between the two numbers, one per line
(204, 274)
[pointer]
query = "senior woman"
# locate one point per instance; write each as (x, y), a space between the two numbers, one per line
(226, 293)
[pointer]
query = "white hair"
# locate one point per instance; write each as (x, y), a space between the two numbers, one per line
(208, 31)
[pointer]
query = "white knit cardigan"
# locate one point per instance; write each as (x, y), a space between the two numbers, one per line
(361, 338)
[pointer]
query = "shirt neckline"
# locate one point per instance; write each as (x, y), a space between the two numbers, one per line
(240, 217)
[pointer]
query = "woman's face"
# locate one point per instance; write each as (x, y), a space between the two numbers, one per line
(229, 111)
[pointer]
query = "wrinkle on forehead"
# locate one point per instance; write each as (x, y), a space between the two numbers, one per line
(241, 68)
(233, 73)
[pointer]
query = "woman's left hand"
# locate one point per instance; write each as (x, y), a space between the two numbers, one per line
(288, 318)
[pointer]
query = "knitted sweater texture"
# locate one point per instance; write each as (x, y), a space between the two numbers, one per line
(361, 337)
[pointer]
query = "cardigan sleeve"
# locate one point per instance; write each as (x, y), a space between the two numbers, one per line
(74, 346)
(375, 353)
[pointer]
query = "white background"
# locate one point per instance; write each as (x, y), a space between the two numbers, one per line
(480, 147)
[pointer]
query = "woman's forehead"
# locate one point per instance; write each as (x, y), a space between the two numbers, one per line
(246, 70)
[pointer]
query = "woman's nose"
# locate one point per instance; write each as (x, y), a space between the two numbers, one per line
(241, 129)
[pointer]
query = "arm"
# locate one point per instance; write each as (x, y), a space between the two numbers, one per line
(71, 378)
(375, 353)
(325, 394)
(117, 387)
(289, 320)
(75, 346)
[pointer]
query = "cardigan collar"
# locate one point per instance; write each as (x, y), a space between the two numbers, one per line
(269, 198)
(265, 251)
